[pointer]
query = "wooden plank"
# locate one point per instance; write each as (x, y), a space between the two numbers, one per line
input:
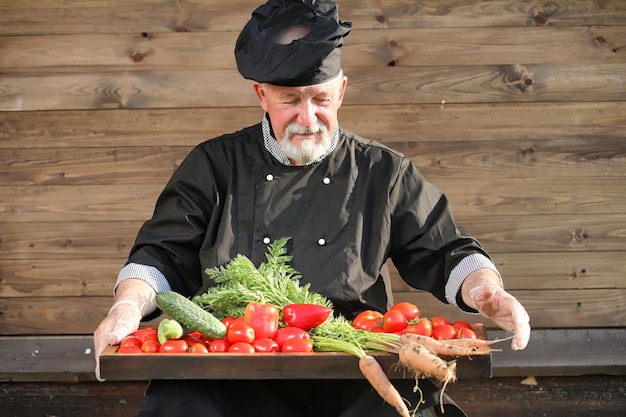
(132, 367)
(52, 315)
(546, 308)
(553, 126)
(506, 233)
(70, 399)
(135, 200)
(521, 271)
(581, 396)
(396, 47)
(451, 165)
(551, 271)
(77, 16)
(67, 240)
(94, 166)
(42, 90)
(564, 352)
(46, 358)
(59, 278)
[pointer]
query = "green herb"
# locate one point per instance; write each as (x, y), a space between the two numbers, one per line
(240, 282)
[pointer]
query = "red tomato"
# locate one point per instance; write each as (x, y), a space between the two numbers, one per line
(241, 347)
(174, 346)
(228, 321)
(297, 345)
(439, 321)
(198, 348)
(367, 320)
(265, 345)
(286, 333)
(129, 349)
(130, 341)
(410, 310)
(394, 321)
(444, 332)
(263, 318)
(467, 334)
(146, 333)
(218, 345)
(150, 346)
(192, 340)
(422, 327)
(239, 332)
(305, 316)
(461, 324)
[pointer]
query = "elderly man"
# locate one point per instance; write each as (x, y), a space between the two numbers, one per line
(347, 203)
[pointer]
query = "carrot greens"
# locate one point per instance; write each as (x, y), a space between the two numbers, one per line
(240, 282)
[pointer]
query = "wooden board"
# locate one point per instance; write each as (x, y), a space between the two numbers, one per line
(319, 365)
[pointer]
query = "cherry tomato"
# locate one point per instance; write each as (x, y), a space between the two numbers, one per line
(439, 321)
(263, 318)
(218, 345)
(240, 332)
(130, 341)
(174, 346)
(305, 316)
(150, 346)
(394, 321)
(265, 345)
(286, 333)
(410, 310)
(146, 333)
(444, 332)
(192, 340)
(461, 324)
(228, 321)
(297, 345)
(367, 320)
(467, 334)
(422, 327)
(241, 347)
(129, 349)
(198, 348)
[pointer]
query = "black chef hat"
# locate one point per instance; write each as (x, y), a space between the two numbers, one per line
(311, 59)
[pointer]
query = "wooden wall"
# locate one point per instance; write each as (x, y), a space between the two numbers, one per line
(516, 109)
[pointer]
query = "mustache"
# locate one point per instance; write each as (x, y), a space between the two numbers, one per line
(295, 128)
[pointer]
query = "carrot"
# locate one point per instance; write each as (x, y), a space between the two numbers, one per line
(479, 344)
(425, 363)
(376, 376)
(442, 347)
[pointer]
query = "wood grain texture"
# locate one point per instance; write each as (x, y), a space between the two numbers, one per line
(567, 309)
(78, 16)
(597, 125)
(515, 109)
(41, 90)
(207, 51)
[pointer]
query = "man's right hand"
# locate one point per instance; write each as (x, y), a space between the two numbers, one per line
(134, 299)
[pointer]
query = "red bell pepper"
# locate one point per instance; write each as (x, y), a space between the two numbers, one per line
(305, 316)
(263, 318)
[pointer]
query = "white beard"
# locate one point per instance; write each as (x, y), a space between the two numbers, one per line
(309, 150)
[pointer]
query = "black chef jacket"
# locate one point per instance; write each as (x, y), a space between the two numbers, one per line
(345, 215)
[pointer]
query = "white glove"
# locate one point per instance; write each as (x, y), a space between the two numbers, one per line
(123, 319)
(504, 310)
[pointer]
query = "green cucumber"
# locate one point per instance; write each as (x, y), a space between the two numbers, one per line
(190, 315)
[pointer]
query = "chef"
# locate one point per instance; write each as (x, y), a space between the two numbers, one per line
(347, 203)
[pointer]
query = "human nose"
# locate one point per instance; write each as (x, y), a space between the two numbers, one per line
(307, 114)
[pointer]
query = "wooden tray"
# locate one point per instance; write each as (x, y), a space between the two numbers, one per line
(139, 367)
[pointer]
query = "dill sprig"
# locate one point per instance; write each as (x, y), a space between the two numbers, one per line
(240, 282)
